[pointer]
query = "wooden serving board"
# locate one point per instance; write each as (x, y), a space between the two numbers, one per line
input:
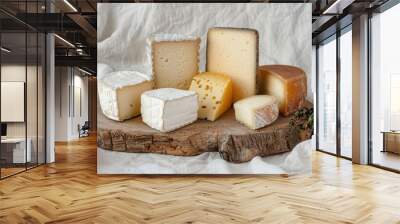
(234, 141)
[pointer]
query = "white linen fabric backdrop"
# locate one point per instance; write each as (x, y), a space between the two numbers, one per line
(284, 38)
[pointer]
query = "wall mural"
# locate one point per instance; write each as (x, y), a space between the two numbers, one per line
(204, 88)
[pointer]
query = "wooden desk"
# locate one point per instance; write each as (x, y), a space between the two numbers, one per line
(13, 150)
(391, 141)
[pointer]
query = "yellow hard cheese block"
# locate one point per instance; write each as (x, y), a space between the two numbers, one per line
(215, 94)
(287, 83)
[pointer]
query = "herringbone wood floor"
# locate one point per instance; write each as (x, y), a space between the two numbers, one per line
(70, 191)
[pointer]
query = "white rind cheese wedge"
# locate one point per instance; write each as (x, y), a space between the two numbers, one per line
(168, 109)
(234, 52)
(287, 83)
(119, 94)
(174, 60)
(257, 111)
(215, 94)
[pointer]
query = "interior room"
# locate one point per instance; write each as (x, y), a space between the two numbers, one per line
(52, 122)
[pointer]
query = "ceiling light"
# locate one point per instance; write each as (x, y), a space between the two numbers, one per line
(337, 7)
(5, 50)
(70, 5)
(64, 40)
(84, 71)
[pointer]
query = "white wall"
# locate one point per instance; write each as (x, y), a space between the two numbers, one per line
(69, 82)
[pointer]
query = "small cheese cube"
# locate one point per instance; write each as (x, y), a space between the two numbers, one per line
(215, 94)
(256, 111)
(175, 60)
(234, 52)
(287, 83)
(168, 109)
(119, 93)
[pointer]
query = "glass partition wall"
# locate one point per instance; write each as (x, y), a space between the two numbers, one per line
(385, 89)
(327, 96)
(22, 78)
(334, 94)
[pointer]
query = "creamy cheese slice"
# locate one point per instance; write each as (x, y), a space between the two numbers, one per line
(174, 60)
(119, 93)
(234, 52)
(168, 109)
(257, 111)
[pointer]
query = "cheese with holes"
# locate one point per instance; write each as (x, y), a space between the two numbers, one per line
(287, 83)
(119, 93)
(257, 111)
(168, 109)
(234, 51)
(215, 94)
(174, 59)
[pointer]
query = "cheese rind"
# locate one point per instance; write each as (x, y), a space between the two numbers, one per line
(257, 111)
(215, 94)
(174, 60)
(234, 52)
(119, 94)
(168, 109)
(287, 83)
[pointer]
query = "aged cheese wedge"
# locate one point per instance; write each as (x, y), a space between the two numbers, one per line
(175, 60)
(215, 94)
(168, 109)
(257, 111)
(234, 51)
(119, 93)
(287, 83)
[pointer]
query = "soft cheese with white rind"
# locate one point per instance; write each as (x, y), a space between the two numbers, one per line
(168, 109)
(119, 93)
(174, 59)
(234, 52)
(257, 111)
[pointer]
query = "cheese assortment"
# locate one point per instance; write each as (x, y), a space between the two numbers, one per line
(119, 93)
(174, 60)
(168, 109)
(182, 94)
(287, 83)
(215, 94)
(257, 111)
(234, 51)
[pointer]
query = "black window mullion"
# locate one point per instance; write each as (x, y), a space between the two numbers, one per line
(37, 90)
(369, 96)
(0, 98)
(338, 81)
(26, 87)
(316, 96)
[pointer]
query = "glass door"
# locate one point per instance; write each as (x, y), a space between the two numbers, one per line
(22, 98)
(14, 155)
